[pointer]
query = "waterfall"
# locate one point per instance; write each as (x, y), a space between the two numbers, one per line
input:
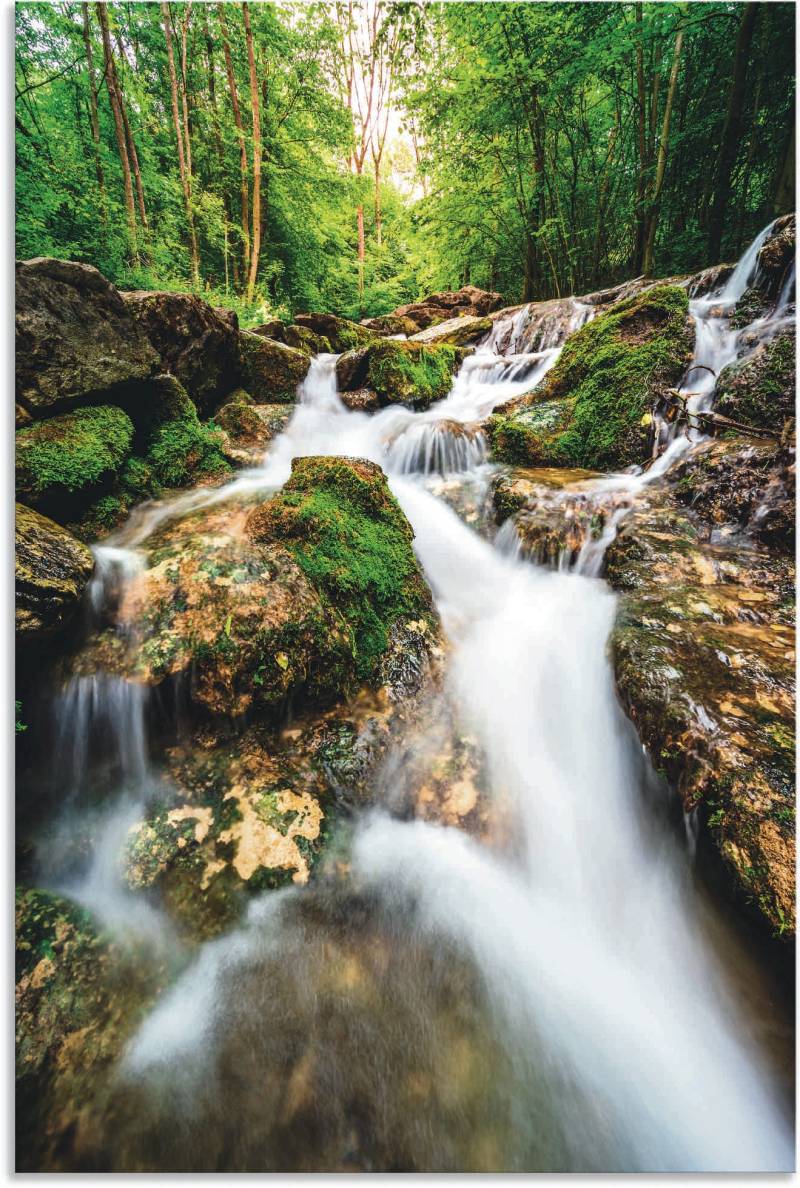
(618, 1013)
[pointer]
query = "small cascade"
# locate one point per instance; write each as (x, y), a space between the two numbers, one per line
(437, 447)
(101, 715)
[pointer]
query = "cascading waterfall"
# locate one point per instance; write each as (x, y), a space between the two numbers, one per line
(581, 919)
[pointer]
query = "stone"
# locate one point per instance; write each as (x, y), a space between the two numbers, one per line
(269, 370)
(75, 339)
(51, 570)
(391, 324)
(759, 390)
(400, 372)
(460, 331)
(361, 400)
(778, 251)
(196, 343)
(249, 428)
(341, 334)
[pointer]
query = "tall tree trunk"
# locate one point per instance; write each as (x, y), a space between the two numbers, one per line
(226, 199)
(119, 129)
(132, 154)
(237, 117)
(254, 100)
(641, 138)
(784, 193)
(378, 212)
(661, 163)
(362, 254)
(176, 119)
(729, 145)
(94, 118)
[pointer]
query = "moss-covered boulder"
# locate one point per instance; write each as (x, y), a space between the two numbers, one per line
(51, 569)
(302, 338)
(341, 334)
(703, 650)
(62, 462)
(76, 341)
(760, 389)
(173, 449)
(298, 601)
(248, 428)
(78, 999)
(389, 325)
(401, 372)
(269, 370)
(196, 343)
(778, 251)
(339, 520)
(458, 331)
(593, 409)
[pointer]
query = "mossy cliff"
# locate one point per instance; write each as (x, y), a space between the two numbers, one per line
(593, 408)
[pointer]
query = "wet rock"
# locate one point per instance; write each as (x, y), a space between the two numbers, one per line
(391, 324)
(63, 461)
(759, 390)
(196, 343)
(777, 253)
(460, 331)
(249, 428)
(361, 400)
(423, 315)
(703, 650)
(469, 300)
(76, 341)
(340, 333)
(409, 373)
(270, 371)
(51, 569)
(304, 339)
(745, 488)
(521, 488)
(273, 328)
(593, 408)
(78, 997)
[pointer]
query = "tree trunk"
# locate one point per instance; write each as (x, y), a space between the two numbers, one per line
(119, 129)
(362, 252)
(641, 179)
(784, 193)
(176, 119)
(378, 213)
(132, 154)
(729, 145)
(226, 200)
(661, 163)
(94, 118)
(237, 117)
(254, 100)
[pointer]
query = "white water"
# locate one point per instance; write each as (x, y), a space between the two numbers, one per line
(585, 928)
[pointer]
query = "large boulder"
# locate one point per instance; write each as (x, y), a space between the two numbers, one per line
(459, 331)
(269, 370)
(410, 373)
(61, 463)
(778, 251)
(51, 569)
(759, 390)
(248, 428)
(391, 325)
(302, 338)
(703, 650)
(342, 334)
(593, 409)
(75, 339)
(196, 343)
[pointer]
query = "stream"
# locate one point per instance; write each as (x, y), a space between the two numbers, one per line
(555, 994)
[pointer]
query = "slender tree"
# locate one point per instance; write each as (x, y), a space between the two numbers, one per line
(119, 128)
(255, 240)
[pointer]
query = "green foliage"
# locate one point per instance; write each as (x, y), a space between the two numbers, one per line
(760, 391)
(182, 451)
(19, 726)
(71, 452)
(349, 536)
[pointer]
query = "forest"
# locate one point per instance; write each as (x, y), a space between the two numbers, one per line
(350, 156)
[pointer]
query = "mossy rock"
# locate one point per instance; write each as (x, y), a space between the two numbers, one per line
(605, 383)
(269, 370)
(760, 389)
(341, 523)
(174, 449)
(302, 338)
(401, 372)
(78, 999)
(458, 331)
(391, 324)
(341, 334)
(62, 462)
(51, 569)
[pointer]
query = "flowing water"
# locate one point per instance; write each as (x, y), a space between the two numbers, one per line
(555, 995)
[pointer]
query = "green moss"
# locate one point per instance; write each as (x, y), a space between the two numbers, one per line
(760, 390)
(350, 538)
(19, 726)
(184, 450)
(410, 372)
(71, 453)
(604, 384)
(38, 917)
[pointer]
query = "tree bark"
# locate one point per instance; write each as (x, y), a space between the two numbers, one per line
(94, 118)
(661, 163)
(784, 193)
(119, 129)
(237, 117)
(176, 119)
(132, 154)
(641, 137)
(254, 100)
(226, 201)
(729, 145)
